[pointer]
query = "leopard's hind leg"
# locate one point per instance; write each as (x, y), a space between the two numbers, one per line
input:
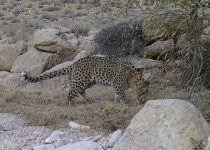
(119, 86)
(73, 92)
(119, 93)
(79, 87)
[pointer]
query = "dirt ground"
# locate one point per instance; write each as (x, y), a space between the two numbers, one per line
(103, 114)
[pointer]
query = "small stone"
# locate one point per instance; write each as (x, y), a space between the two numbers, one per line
(39, 140)
(60, 142)
(75, 125)
(84, 145)
(87, 138)
(105, 145)
(55, 136)
(96, 138)
(114, 138)
(44, 147)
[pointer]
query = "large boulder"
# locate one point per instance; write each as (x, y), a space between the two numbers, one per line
(8, 83)
(159, 48)
(80, 55)
(144, 62)
(165, 124)
(8, 55)
(53, 41)
(35, 62)
(165, 24)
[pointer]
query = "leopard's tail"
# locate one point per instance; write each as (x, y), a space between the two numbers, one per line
(24, 75)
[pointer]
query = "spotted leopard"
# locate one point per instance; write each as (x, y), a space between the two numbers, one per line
(92, 70)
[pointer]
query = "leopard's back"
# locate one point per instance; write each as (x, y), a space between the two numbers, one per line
(103, 70)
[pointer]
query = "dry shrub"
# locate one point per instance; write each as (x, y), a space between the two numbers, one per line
(183, 22)
(121, 39)
(79, 28)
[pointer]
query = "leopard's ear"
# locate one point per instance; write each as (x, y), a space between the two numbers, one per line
(23, 76)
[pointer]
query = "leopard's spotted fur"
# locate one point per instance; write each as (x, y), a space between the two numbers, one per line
(92, 70)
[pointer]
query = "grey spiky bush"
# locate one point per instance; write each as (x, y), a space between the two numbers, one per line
(18, 10)
(119, 40)
(79, 28)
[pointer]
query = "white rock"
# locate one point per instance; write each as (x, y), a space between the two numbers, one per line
(96, 138)
(74, 44)
(44, 147)
(86, 138)
(53, 40)
(84, 145)
(55, 136)
(104, 143)
(26, 148)
(165, 124)
(80, 55)
(91, 47)
(60, 142)
(8, 85)
(101, 140)
(114, 138)
(93, 32)
(8, 55)
(59, 66)
(208, 144)
(40, 140)
(70, 36)
(88, 45)
(68, 63)
(145, 63)
(21, 46)
(10, 121)
(158, 48)
(34, 62)
(75, 125)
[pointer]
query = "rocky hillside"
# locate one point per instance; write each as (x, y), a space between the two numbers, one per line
(46, 35)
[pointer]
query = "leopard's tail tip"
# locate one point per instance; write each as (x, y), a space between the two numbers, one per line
(23, 76)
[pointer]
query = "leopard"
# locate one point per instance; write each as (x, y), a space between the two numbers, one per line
(91, 70)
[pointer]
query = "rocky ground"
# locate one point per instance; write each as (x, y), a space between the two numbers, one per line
(18, 20)
(35, 116)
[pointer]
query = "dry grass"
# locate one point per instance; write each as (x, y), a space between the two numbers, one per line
(103, 114)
